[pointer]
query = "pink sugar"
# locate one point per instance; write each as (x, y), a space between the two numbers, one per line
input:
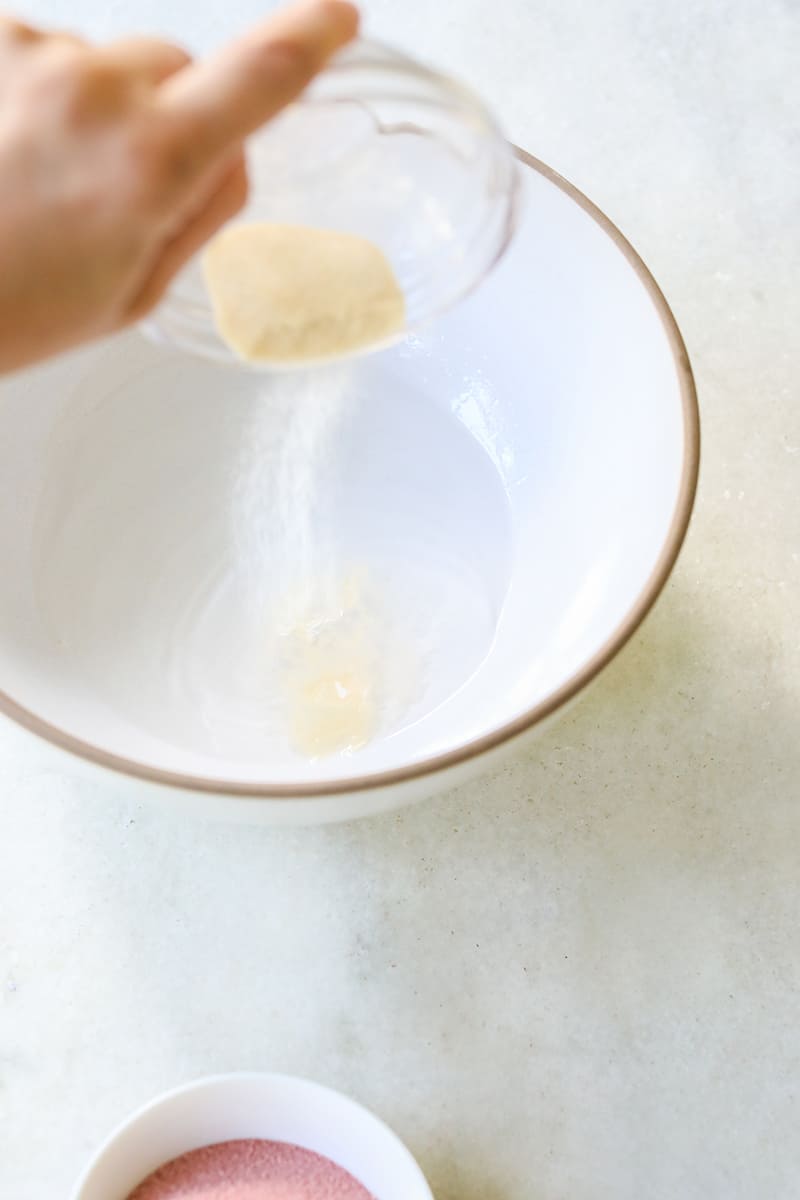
(251, 1169)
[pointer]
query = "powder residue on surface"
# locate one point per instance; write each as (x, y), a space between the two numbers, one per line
(331, 673)
(251, 1169)
(292, 293)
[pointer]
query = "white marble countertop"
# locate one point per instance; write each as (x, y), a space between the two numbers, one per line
(580, 978)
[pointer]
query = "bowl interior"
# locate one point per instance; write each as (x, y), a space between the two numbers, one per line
(272, 1107)
(496, 492)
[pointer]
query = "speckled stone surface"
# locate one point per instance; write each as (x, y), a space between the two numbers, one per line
(578, 978)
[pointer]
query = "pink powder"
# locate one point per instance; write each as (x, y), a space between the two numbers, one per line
(250, 1169)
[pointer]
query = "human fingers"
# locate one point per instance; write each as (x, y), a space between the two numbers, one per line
(16, 37)
(146, 58)
(218, 102)
(17, 33)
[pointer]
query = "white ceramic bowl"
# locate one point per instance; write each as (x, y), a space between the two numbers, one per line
(519, 480)
(278, 1108)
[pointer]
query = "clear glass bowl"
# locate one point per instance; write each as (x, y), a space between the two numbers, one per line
(382, 147)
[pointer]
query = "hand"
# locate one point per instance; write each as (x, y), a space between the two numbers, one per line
(118, 162)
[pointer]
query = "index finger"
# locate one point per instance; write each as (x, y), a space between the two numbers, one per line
(219, 101)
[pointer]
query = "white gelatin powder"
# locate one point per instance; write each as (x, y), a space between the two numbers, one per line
(318, 618)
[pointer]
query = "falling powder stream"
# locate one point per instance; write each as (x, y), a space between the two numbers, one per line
(280, 517)
(326, 653)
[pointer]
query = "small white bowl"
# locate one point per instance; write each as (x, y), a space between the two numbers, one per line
(385, 148)
(279, 1108)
